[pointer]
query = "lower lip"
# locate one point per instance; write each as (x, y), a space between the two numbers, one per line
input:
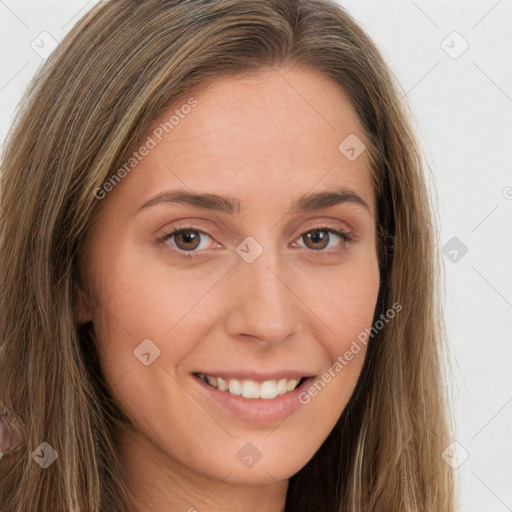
(257, 410)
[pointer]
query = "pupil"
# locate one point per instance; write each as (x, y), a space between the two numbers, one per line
(317, 236)
(189, 238)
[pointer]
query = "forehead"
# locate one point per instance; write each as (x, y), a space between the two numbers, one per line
(277, 128)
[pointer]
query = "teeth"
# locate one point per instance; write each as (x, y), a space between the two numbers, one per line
(251, 389)
(212, 381)
(268, 389)
(282, 387)
(235, 387)
(292, 384)
(221, 384)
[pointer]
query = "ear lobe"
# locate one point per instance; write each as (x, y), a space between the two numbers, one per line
(82, 306)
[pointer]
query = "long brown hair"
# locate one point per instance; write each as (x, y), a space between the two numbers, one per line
(87, 109)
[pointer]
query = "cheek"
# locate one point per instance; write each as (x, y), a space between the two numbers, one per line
(345, 301)
(143, 298)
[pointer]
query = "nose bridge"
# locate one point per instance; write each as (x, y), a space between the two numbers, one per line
(263, 307)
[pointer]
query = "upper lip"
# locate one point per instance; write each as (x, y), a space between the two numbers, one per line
(257, 375)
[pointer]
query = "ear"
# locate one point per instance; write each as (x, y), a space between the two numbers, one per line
(82, 306)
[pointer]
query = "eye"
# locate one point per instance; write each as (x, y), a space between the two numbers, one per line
(320, 239)
(192, 241)
(187, 239)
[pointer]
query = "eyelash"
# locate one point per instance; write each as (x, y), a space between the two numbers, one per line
(346, 239)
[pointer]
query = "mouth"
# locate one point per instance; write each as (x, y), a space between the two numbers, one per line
(254, 397)
(252, 389)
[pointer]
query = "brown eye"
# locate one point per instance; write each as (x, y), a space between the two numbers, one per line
(187, 239)
(317, 239)
(325, 240)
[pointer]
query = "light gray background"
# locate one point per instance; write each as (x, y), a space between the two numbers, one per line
(462, 103)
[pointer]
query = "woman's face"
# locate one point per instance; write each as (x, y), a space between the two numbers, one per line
(259, 288)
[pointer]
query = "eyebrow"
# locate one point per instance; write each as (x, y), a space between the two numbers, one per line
(306, 202)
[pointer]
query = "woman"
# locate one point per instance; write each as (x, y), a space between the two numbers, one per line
(219, 271)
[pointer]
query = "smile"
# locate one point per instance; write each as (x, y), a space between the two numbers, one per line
(252, 389)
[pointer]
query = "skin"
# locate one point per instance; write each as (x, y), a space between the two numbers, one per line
(264, 140)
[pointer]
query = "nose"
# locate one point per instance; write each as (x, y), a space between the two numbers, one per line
(262, 305)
